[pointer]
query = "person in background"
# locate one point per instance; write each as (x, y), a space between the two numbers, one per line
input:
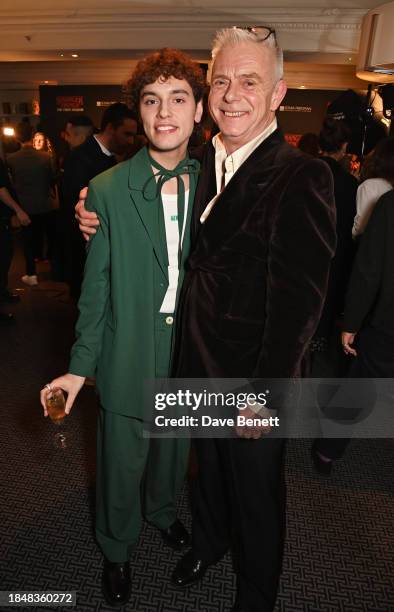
(45, 242)
(326, 359)
(333, 140)
(8, 207)
(379, 175)
(33, 179)
(42, 143)
(95, 155)
(78, 129)
(368, 321)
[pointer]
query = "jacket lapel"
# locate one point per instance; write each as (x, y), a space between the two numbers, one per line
(142, 188)
(233, 206)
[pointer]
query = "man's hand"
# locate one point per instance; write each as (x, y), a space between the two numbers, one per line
(87, 221)
(23, 217)
(70, 383)
(256, 431)
(347, 341)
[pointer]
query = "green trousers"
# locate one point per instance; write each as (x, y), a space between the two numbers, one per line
(137, 477)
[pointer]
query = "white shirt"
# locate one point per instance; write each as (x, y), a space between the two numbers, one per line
(170, 209)
(102, 147)
(368, 194)
(227, 165)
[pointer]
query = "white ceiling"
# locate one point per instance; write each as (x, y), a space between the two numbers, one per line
(111, 34)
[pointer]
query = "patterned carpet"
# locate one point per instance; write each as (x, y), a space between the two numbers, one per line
(340, 547)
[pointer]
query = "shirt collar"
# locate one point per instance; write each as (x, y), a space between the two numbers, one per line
(227, 165)
(241, 154)
(102, 147)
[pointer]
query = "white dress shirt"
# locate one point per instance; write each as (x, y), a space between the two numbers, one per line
(102, 147)
(368, 194)
(170, 209)
(227, 165)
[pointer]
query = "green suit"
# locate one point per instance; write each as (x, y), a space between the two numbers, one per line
(122, 339)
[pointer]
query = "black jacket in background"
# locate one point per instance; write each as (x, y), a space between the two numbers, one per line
(370, 297)
(81, 165)
(345, 191)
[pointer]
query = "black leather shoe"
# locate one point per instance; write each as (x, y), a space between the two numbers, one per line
(188, 570)
(9, 298)
(116, 582)
(175, 535)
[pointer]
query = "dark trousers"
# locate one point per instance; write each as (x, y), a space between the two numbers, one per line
(74, 258)
(41, 227)
(239, 504)
(44, 227)
(375, 359)
(6, 252)
(29, 246)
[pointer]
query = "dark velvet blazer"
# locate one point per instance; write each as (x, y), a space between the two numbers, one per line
(258, 271)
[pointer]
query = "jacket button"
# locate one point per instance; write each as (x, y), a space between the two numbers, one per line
(169, 320)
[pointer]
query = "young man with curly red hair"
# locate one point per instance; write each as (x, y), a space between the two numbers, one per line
(134, 267)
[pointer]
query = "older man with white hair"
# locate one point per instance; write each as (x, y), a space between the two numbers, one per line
(264, 235)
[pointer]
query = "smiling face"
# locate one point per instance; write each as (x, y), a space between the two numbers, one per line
(245, 92)
(168, 112)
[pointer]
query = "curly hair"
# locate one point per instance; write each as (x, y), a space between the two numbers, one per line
(164, 64)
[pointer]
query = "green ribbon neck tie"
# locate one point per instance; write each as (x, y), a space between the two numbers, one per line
(186, 166)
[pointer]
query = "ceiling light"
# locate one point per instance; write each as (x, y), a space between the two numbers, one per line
(302, 87)
(62, 55)
(74, 55)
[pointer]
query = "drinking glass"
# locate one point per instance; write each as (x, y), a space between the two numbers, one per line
(56, 404)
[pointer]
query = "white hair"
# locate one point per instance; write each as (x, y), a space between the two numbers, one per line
(230, 37)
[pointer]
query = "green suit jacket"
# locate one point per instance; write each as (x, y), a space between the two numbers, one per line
(125, 272)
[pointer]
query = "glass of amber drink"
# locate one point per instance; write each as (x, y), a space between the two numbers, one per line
(56, 404)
